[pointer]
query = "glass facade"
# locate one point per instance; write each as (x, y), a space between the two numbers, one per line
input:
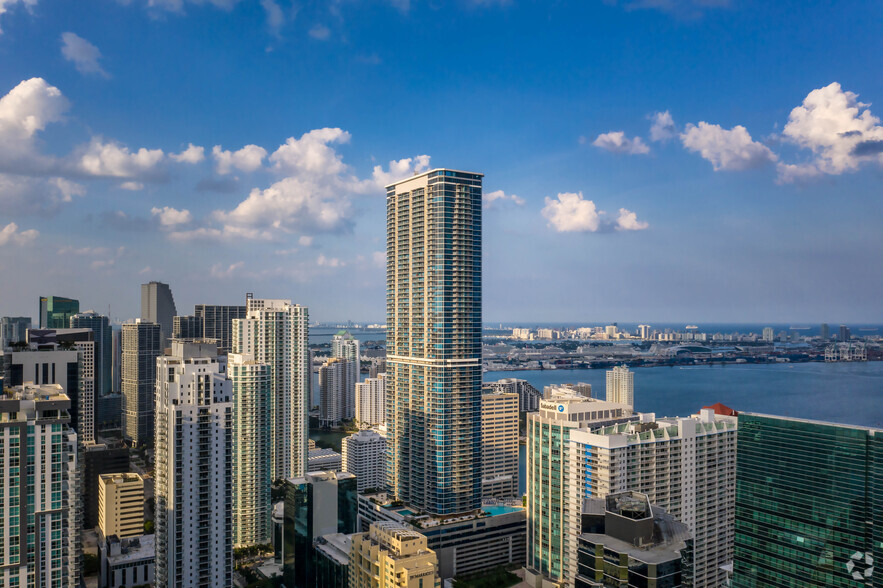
(434, 341)
(55, 311)
(808, 500)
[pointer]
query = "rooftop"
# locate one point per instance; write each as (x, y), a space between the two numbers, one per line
(132, 549)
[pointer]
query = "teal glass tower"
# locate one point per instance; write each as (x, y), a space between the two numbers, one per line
(808, 504)
(56, 311)
(433, 310)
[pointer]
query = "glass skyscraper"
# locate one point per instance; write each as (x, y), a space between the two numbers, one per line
(103, 347)
(55, 311)
(433, 307)
(808, 504)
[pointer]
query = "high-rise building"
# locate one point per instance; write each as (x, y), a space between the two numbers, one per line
(100, 325)
(217, 323)
(390, 554)
(276, 332)
(39, 530)
(13, 329)
(141, 345)
(371, 402)
(808, 504)
(364, 455)
(433, 307)
(548, 514)
(98, 459)
(193, 488)
(187, 327)
(528, 396)
(621, 386)
(158, 306)
(499, 445)
(768, 334)
(825, 331)
(644, 332)
(121, 505)
(252, 438)
(333, 383)
(345, 346)
(319, 503)
(684, 465)
(55, 311)
(844, 334)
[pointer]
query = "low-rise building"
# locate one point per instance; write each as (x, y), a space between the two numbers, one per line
(121, 505)
(332, 559)
(323, 460)
(364, 454)
(126, 562)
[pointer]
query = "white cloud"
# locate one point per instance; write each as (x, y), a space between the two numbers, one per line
(145, 270)
(193, 154)
(27, 109)
(91, 251)
(628, 221)
(489, 198)
(10, 235)
(67, 188)
(311, 154)
(5, 5)
(113, 160)
(323, 261)
(35, 195)
(841, 132)
(219, 271)
(320, 32)
(617, 142)
(305, 241)
(132, 186)
(663, 126)
(730, 150)
(171, 217)
(82, 53)
(571, 213)
(247, 159)
(399, 170)
(275, 16)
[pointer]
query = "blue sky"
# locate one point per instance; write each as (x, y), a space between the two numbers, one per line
(644, 160)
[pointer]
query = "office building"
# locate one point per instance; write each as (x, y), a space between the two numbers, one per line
(193, 487)
(141, 345)
(364, 455)
(99, 459)
(121, 505)
(103, 339)
(528, 396)
(346, 347)
(768, 334)
(187, 327)
(371, 402)
(433, 273)
(621, 386)
(628, 543)
(844, 334)
(275, 332)
(13, 329)
(808, 504)
(499, 445)
(392, 555)
(548, 514)
(55, 311)
(109, 413)
(324, 460)
(333, 382)
(825, 331)
(332, 560)
(217, 323)
(318, 503)
(117, 375)
(126, 562)
(39, 531)
(158, 306)
(252, 438)
(579, 389)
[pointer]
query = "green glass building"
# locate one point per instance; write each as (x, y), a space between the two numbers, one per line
(56, 311)
(808, 504)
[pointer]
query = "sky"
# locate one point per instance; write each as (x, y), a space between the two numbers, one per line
(644, 160)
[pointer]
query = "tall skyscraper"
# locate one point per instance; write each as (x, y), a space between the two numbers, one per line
(391, 554)
(158, 306)
(528, 396)
(621, 386)
(186, 327)
(371, 401)
(100, 325)
(252, 439)
(142, 344)
(345, 346)
(808, 504)
(499, 445)
(194, 437)
(768, 334)
(55, 311)
(844, 334)
(333, 383)
(825, 331)
(13, 329)
(217, 322)
(644, 332)
(433, 307)
(276, 332)
(364, 455)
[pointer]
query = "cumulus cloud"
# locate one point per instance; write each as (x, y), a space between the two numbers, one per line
(67, 189)
(663, 126)
(24, 111)
(839, 130)
(320, 32)
(10, 235)
(399, 170)
(312, 154)
(323, 261)
(171, 217)
(83, 54)
(570, 212)
(617, 142)
(35, 195)
(132, 186)
(193, 154)
(488, 198)
(248, 159)
(305, 240)
(628, 221)
(109, 159)
(730, 150)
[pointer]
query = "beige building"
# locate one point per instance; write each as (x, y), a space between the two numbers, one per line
(392, 556)
(499, 445)
(121, 505)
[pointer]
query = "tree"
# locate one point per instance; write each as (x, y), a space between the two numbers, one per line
(148, 527)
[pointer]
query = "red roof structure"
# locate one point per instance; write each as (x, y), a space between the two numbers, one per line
(722, 409)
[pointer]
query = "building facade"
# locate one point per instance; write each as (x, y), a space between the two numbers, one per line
(158, 306)
(276, 333)
(13, 329)
(499, 445)
(371, 402)
(621, 386)
(121, 505)
(333, 383)
(103, 339)
(346, 347)
(127, 562)
(433, 273)
(391, 555)
(217, 323)
(528, 396)
(364, 455)
(193, 487)
(55, 311)
(141, 345)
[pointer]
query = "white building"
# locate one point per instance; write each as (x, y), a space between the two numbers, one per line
(768, 334)
(39, 530)
(644, 332)
(193, 489)
(364, 454)
(621, 386)
(333, 382)
(371, 401)
(252, 438)
(499, 445)
(346, 347)
(276, 333)
(685, 465)
(324, 460)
